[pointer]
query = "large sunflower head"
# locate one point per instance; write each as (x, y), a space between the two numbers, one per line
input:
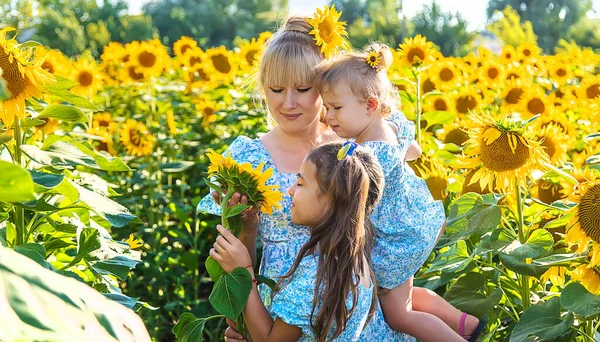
(86, 72)
(136, 138)
(149, 58)
(555, 143)
(503, 152)
(584, 226)
(416, 51)
(222, 64)
(328, 30)
(183, 45)
(24, 76)
(446, 75)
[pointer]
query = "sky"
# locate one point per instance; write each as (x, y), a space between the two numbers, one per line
(473, 11)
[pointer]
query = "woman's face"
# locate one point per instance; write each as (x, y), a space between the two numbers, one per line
(294, 108)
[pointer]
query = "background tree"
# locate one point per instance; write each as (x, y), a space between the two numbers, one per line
(381, 23)
(585, 33)
(507, 26)
(446, 30)
(551, 19)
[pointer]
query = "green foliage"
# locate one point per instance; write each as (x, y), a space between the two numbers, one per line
(550, 19)
(508, 27)
(586, 32)
(379, 23)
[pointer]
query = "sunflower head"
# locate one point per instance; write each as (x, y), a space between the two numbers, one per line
(373, 58)
(547, 190)
(183, 45)
(222, 64)
(136, 138)
(416, 51)
(328, 31)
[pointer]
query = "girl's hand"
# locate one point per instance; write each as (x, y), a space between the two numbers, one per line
(249, 216)
(414, 152)
(230, 252)
(232, 335)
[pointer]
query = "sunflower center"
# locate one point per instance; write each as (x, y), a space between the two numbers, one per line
(561, 72)
(514, 95)
(589, 212)
(465, 103)
(512, 75)
(559, 94)
(493, 73)
(415, 55)
(15, 83)
(85, 78)
(428, 86)
(536, 106)
(195, 60)
(184, 48)
(437, 185)
(136, 76)
(549, 192)
(221, 63)
(135, 137)
(550, 148)
(373, 59)
(508, 55)
(526, 52)
(325, 31)
(593, 91)
(456, 136)
(208, 111)
(147, 59)
(48, 67)
(446, 75)
(498, 155)
(440, 104)
(250, 56)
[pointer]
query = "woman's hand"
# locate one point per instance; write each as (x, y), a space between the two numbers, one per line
(230, 252)
(414, 152)
(249, 216)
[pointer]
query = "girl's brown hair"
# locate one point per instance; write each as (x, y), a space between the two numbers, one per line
(364, 80)
(344, 237)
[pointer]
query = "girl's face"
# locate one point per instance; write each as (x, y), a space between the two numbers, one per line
(346, 113)
(308, 204)
(294, 108)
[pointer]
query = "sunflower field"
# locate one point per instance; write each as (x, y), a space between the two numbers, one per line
(103, 162)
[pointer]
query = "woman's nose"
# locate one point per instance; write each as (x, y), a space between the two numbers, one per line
(290, 100)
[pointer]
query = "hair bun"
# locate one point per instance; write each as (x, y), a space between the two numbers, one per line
(384, 51)
(298, 24)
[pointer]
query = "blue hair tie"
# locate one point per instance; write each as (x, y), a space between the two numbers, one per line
(347, 150)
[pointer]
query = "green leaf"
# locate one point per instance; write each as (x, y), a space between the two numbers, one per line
(235, 224)
(189, 328)
(215, 271)
(62, 83)
(88, 241)
(119, 266)
(272, 284)
(64, 113)
(230, 293)
(189, 259)
(33, 251)
(432, 93)
(542, 322)
(175, 167)
(4, 138)
(538, 244)
(466, 295)
(108, 209)
(438, 118)
(235, 210)
(576, 298)
(455, 259)
(591, 137)
(122, 299)
(16, 184)
(214, 186)
(76, 100)
(595, 159)
(47, 180)
(558, 260)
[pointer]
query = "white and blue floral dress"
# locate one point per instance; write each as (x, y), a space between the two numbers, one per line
(407, 220)
(282, 239)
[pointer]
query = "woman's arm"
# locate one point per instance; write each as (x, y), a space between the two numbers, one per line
(230, 253)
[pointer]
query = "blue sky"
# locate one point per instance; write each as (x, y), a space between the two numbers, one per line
(471, 10)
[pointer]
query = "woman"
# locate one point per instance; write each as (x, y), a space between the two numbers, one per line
(286, 76)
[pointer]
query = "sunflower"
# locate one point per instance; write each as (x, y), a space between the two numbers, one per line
(149, 58)
(416, 51)
(437, 103)
(547, 190)
(171, 123)
(555, 143)
(54, 61)
(129, 74)
(445, 75)
(527, 51)
(199, 78)
(88, 75)
(221, 63)
(48, 127)
(492, 74)
(508, 55)
(114, 53)
(559, 71)
(475, 187)
(192, 58)
(104, 121)
(23, 74)
(250, 54)
(582, 175)
(465, 101)
(588, 277)
(533, 102)
(503, 153)
(556, 118)
(555, 274)
(136, 138)
(589, 88)
(328, 31)
(511, 94)
(104, 139)
(183, 45)
(373, 58)
(133, 242)
(583, 228)
(435, 176)
(454, 133)
(207, 110)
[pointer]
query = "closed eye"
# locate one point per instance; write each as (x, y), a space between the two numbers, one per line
(276, 90)
(304, 90)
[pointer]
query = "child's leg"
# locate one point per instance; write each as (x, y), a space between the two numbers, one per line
(400, 316)
(428, 301)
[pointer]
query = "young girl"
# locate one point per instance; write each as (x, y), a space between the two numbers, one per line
(328, 293)
(359, 98)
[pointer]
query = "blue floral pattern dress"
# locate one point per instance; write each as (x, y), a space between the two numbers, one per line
(294, 303)
(407, 220)
(282, 239)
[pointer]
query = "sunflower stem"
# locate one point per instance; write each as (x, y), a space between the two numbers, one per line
(418, 78)
(522, 240)
(19, 212)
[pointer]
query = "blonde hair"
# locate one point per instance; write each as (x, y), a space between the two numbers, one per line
(291, 56)
(364, 80)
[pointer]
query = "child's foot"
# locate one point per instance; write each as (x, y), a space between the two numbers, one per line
(469, 326)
